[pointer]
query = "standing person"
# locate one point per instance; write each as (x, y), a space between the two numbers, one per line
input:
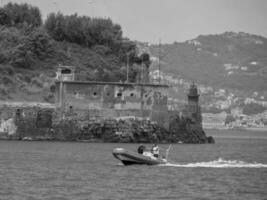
(155, 150)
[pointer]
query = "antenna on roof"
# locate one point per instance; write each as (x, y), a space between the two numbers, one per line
(127, 79)
(159, 58)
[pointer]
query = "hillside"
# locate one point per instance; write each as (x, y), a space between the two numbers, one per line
(230, 70)
(229, 60)
(31, 50)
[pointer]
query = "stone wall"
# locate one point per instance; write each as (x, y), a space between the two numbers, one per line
(39, 123)
(26, 121)
(114, 99)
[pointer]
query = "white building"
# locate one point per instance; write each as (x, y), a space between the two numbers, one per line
(214, 121)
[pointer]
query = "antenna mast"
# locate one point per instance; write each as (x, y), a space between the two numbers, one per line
(159, 57)
(127, 80)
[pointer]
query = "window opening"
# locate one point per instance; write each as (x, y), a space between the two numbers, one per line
(65, 71)
(119, 94)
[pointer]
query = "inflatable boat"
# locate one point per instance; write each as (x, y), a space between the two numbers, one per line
(131, 157)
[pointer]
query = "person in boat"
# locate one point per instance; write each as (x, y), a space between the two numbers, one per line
(143, 150)
(155, 150)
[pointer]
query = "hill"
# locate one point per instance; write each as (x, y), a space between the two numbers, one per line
(228, 60)
(31, 50)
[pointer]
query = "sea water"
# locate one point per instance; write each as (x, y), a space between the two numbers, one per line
(233, 168)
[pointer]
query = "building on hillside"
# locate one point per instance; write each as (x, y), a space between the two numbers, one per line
(214, 121)
(65, 73)
(236, 111)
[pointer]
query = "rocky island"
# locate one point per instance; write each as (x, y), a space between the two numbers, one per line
(106, 112)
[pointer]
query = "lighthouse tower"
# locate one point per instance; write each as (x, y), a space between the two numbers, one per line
(193, 108)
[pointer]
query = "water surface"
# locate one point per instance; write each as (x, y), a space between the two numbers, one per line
(233, 168)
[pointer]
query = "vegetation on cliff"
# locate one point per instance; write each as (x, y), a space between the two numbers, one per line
(30, 50)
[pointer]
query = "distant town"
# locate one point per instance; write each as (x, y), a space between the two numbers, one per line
(221, 108)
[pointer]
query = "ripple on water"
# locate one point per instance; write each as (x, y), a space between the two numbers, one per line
(43, 170)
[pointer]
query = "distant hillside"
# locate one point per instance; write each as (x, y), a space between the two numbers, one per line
(229, 60)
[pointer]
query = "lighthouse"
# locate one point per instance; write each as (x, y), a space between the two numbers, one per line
(193, 108)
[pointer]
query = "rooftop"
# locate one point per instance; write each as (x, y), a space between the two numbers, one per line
(114, 83)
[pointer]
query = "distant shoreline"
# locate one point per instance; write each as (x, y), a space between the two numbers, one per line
(237, 134)
(239, 129)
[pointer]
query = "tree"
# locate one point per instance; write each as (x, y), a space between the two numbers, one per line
(253, 108)
(4, 17)
(90, 32)
(229, 119)
(13, 14)
(39, 43)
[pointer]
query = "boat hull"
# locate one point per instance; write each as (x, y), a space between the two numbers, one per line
(131, 158)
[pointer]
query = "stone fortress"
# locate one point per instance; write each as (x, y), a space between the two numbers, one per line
(128, 112)
(116, 99)
(110, 99)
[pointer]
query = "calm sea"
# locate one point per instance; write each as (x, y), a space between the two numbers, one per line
(233, 168)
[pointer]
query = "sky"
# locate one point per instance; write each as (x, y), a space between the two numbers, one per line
(167, 20)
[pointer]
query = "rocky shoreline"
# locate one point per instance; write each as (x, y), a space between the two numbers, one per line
(116, 130)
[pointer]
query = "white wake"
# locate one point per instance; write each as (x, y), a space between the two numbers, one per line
(220, 163)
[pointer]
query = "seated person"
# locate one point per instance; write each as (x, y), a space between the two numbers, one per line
(142, 150)
(155, 150)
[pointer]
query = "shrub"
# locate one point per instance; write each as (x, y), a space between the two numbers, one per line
(7, 70)
(27, 79)
(31, 48)
(253, 108)
(229, 119)
(37, 82)
(39, 44)
(4, 17)
(22, 58)
(7, 80)
(50, 98)
(10, 38)
(3, 92)
(53, 88)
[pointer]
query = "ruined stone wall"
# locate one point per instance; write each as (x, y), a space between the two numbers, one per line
(37, 123)
(19, 121)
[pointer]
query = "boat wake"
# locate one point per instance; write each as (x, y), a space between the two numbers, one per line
(220, 163)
